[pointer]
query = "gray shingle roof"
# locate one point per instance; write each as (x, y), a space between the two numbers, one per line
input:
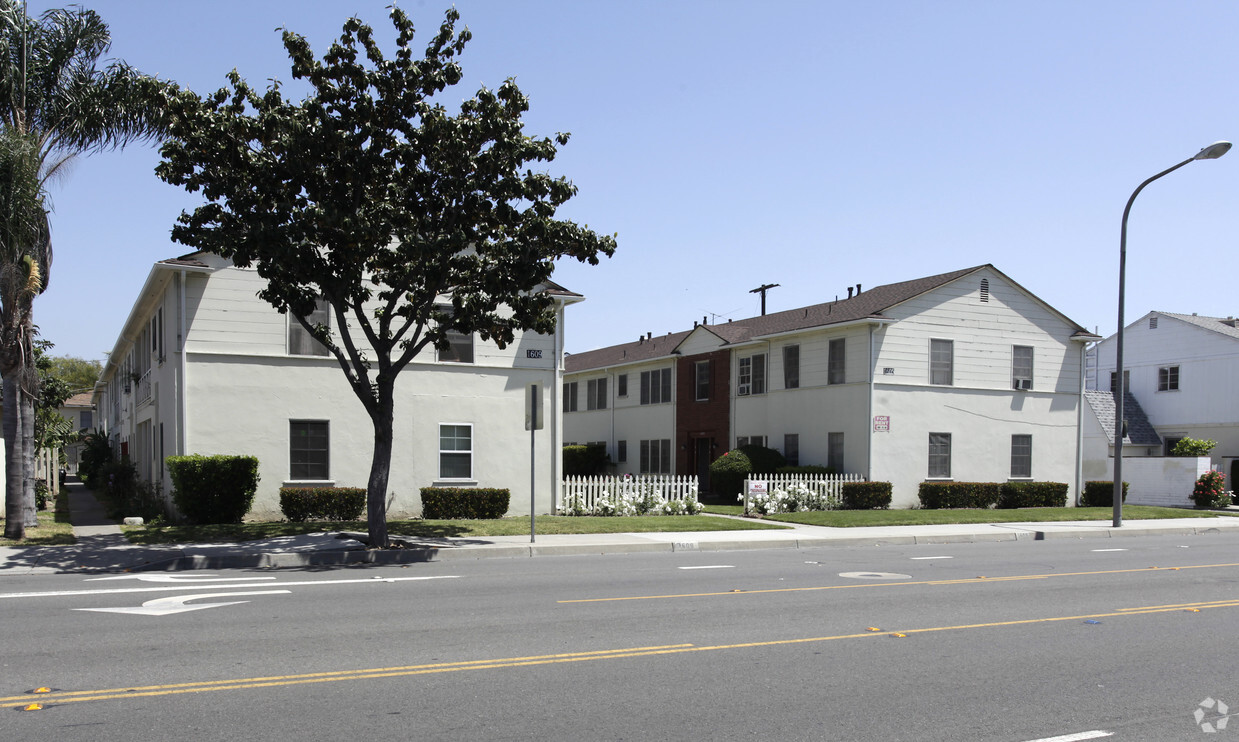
(867, 304)
(1140, 431)
(1226, 326)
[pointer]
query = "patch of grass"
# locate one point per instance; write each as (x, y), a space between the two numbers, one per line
(546, 524)
(53, 530)
(855, 518)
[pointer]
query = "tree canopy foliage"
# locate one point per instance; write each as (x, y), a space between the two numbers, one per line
(409, 220)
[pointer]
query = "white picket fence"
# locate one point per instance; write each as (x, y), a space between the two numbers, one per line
(829, 485)
(591, 489)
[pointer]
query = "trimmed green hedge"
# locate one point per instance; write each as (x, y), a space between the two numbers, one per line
(806, 469)
(727, 473)
(213, 489)
(946, 495)
(301, 504)
(763, 460)
(866, 495)
(467, 503)
(584, 461)
(1033, 495)
(1100, 494)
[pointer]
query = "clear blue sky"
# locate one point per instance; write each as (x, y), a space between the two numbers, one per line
(815, 145)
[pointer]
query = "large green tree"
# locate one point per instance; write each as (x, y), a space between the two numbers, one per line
(58, 99)
(370, 195)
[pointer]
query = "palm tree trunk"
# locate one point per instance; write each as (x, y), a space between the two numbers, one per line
(30, 511)
(14, 522)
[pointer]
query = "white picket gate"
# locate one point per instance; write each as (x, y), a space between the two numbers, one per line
(826, 485)
(591, 489)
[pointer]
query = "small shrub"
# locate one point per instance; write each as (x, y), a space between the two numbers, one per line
(866, 495)
(213, 489)
(1033, 495)
(727, 473)
(1100, 494)
(42, 495)
(301, 504)
(1193, 447)
(945, 495)
(1208, 492)
(584, 461)
(464, 503)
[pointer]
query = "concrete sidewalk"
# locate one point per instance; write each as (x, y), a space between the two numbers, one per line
(102, 548)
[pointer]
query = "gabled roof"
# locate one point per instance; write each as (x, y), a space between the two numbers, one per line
(1226, 326)
(78, 400)
(867, 305)
(1140, 431)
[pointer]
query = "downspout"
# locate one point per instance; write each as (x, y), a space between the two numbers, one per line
(869, 421)
(182, 438)
(1079, 484)
(556, 412)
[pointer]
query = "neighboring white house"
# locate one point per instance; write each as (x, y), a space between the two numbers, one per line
(204, 366)
(1183, 369)
(963, 376)
(80, 411)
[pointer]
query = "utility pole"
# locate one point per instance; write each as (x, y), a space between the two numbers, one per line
(762, 290)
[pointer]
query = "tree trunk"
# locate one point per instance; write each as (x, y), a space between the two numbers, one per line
(380, 465)
(14, 523)
(30, 510)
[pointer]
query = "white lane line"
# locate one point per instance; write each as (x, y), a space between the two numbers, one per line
(1108, 549)
(712, 566)
(937, 557)
(1094, 734)
(167, 588)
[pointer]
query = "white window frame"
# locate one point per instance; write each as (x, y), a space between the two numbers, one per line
(751, 375)
(834, 451)
(1022, 369)
(305, 475)
(455, 452)
(836, 361)
(570, 396)
(655, 456)
(941, 370)
(300, 342)
(791, 366)
(701, 381)
(596, 394)
(656, 386)
(1021, 456)
(1168, 378)
(461, 344)
(940, 456)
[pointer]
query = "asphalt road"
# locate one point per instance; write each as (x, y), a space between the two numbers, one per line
(1010, 641)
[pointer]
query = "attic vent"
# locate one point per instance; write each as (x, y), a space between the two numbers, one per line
(985, 290)
(1152, 323)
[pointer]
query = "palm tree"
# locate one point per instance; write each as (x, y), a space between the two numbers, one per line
(56, 102)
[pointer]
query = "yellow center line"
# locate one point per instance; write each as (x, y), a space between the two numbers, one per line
(64, 697)
(960, 581)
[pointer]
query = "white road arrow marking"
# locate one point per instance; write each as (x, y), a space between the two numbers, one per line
(177, 578)
(176, 603)
(190, 586)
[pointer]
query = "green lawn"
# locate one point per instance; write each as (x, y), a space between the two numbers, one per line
(54, 529)
(546, 524)
(853, 518)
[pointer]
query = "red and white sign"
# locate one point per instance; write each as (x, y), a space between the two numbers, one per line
(881, 423)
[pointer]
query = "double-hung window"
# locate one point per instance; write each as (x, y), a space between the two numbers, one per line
(751, 375)
(460, 345)
(1022, 367)
(308, 450)
(621, 385)
(791, 448)
(1114, 380)
(701, 373)
(1021, 456)
(596, 394)
(570, 396)
(942, 362)
(656, 456)
(791, 366)
(656, 386)
(836, 361)
(939, 455)
(300, 342)
(1168, 379)
(456, 451)
(834, 451)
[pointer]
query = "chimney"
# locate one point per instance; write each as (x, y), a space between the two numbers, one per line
(858, 289)
(649, 336)
(703, 320)
(849, 292)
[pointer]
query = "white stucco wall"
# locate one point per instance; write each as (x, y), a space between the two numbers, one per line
(1162, 480)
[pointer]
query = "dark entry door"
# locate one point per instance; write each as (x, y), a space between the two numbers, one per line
(702, 457)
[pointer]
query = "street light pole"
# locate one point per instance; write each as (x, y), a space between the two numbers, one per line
(1212, 152)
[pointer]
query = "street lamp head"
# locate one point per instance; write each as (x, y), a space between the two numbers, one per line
(1213, 151)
